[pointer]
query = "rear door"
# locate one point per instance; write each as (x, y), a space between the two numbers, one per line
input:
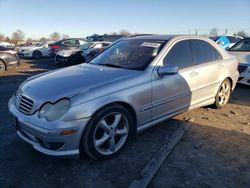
(175, 93)
(210, 68)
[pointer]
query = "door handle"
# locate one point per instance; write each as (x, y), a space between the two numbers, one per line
(193, 73)
(220, 66)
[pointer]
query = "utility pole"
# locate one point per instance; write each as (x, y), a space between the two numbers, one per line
(196, 31)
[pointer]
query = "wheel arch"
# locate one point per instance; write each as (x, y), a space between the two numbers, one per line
(4, 64)
(125, 105)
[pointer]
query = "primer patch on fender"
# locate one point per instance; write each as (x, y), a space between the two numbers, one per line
(151, 44)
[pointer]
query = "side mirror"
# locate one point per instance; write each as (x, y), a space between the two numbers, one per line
(227, 48)
(167, 70)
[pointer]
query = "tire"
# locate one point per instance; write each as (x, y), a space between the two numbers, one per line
(37, 55)
(223, 94)
(2, 67)
(107, 132)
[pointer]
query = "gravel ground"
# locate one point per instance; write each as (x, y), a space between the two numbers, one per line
(213, 153)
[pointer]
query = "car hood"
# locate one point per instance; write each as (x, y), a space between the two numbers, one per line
(68, 82)
(243, 57)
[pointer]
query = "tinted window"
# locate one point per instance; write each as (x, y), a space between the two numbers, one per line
(180, 55)
(204, 52)
(243, 45)
(232, 39)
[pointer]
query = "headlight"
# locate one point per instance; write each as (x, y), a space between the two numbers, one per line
(54, 111)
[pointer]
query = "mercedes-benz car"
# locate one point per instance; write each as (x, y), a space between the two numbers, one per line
(139, 81)
(242, 51)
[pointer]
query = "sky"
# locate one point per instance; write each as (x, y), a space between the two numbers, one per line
(80, 18)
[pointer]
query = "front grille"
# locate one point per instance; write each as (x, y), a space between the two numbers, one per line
(242, 68)
(23, 103)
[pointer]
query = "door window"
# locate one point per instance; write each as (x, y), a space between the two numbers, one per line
(179, 55)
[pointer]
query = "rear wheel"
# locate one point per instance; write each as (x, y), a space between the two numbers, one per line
(37, 55)
(107, 133)
(223, 94)
(2, 66)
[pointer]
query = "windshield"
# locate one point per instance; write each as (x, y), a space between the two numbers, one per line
(243, 45)
(134, 54)
(85, 45)
(39, 44)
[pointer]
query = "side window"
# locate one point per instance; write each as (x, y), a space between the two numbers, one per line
(180, 55)
(204, 52)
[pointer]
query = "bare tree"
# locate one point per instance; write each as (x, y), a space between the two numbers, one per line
(55, 36)
(42, 39)
(18, 36)
(241, 34)
(124, 32)
(29, 40)
(214, 32)
(2, 37)
(65, 36)
(7, 39)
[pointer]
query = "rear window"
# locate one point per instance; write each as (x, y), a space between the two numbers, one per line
(204, 52)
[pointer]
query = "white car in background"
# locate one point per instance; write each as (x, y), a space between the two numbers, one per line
(242, 51)
(37, 51)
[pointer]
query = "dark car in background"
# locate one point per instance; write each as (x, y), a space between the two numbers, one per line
(82, 54)
(8, 58)
(65, 44)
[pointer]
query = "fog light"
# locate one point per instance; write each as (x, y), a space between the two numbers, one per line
(68, 132)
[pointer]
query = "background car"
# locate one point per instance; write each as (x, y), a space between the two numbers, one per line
(82, 54)
(8, 58)
(65, 44)
(225, 41)
(37, 51)
(242, 51)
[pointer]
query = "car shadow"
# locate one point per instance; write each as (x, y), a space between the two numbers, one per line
(241, 95)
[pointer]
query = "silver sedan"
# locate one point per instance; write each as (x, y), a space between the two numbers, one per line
(139, 81)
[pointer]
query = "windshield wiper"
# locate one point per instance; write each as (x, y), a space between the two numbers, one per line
(112, 65)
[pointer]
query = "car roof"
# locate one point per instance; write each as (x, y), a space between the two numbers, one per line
(151, 37)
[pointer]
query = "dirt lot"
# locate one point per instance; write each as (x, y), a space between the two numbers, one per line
(215, 152)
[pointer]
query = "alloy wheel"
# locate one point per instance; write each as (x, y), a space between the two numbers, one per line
(111, 133)
(224, 93)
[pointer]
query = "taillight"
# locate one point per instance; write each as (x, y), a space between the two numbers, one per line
(54, 46)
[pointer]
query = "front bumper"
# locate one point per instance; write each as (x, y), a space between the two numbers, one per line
(245, 77)
(61, 59)
(50, 140)
(25, 54)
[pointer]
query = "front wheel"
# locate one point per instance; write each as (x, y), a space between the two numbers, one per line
(107, 133)
(223, 94)
(2, 66)
(37, 55)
